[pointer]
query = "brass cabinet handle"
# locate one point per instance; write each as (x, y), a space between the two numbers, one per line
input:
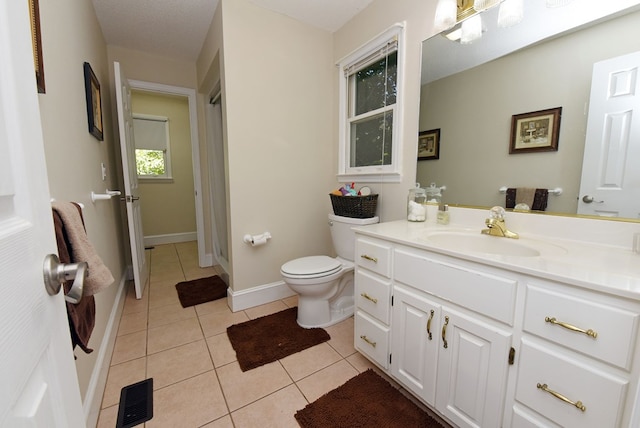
(429, 324)
(366, 339)
(444, 332)
(577, 404)
(366, 257)
(366, 296)
(588, 332)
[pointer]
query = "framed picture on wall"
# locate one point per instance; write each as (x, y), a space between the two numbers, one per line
(94, 102)
(36, 40)
(429, 144)
(537, 131)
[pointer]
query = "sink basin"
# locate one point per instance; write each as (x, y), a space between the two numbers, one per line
(475, 242)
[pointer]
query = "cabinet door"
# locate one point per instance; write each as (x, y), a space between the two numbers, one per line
(414, 346)
(472, 370)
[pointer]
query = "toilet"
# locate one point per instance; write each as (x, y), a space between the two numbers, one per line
(325, 284)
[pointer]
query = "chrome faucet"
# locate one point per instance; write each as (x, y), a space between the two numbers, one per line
(496, 225)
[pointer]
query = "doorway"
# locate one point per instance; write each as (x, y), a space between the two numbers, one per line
(190, 95)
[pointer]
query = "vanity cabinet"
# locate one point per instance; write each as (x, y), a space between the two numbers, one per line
(454, 359)
(576, 358)
(490, 347)
(372, 295)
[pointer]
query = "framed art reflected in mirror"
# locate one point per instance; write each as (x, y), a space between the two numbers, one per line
(429, 144)
(537, 131)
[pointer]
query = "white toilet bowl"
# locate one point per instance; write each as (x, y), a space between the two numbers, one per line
(325, 284)
(325, 289)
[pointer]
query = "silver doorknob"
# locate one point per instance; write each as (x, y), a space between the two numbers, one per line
(590, 199)
(56, 273)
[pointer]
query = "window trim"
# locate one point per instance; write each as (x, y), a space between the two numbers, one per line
(377, 173)
(168, 176)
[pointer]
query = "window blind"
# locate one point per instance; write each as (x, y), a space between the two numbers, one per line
(150, 134)
(390, 47)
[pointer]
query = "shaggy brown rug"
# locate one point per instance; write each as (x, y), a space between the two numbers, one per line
(366, 400)
(201, 290)
(272, 337)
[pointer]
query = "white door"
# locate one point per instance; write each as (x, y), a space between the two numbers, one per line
(38, 381)
(415, 346)
(472, 371)
(131, 190)
(610, 184)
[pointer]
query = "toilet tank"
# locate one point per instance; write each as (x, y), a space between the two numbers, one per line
(344, 239)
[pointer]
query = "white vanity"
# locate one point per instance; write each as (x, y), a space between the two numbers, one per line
(491, 332)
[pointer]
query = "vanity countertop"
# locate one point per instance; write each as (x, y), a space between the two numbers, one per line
(605, 268)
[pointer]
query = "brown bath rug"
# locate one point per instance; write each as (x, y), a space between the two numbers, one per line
(366, 400)
(201, 290)
(272, 337)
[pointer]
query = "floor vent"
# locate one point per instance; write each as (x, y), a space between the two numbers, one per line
(136, 404)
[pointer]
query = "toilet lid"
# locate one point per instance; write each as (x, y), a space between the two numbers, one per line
(311, 266)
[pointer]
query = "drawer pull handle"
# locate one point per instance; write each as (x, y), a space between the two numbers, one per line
(589, 332)
(577, 404)
(429, 324)
(444, 332)
(366, 296)
(366, 339)
(366, 257)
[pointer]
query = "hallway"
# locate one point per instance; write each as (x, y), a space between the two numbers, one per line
(197, 380)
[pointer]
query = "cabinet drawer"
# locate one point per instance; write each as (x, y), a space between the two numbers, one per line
(600, 392)
(373, 295)
(374, 255)
(372, 339)
(483, 292)
(616, 328)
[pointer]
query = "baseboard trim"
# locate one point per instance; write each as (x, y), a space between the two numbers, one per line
(260, 295)
(98, 381)
(170, 238)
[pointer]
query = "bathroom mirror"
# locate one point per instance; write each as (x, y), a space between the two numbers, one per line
(470, 92)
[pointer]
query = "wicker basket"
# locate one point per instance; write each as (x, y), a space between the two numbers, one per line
(354, 206)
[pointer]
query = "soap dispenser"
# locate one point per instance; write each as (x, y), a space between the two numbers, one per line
(443, 214)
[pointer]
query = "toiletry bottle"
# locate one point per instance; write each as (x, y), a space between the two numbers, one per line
(443, 214)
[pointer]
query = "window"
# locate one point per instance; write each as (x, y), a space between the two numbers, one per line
(151, 136)
(370, 111)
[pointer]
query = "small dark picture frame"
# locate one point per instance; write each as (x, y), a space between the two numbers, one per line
(429, 144)
(537, 131)
(94, 100)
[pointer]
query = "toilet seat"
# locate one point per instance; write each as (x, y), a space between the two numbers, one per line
(311, 267)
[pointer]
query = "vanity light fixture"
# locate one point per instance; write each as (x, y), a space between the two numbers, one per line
(446, 14)
(471, 29)
(480, 5)
(511, 13)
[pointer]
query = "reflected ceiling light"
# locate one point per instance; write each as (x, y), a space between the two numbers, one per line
(486, 4)
(446, 12)
(510, 13)
(557, 3)
(471, 30)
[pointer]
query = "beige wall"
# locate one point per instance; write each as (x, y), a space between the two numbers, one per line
(168, 207)
(380, 15)
(277, 104)
(538, 78)
(71, 35)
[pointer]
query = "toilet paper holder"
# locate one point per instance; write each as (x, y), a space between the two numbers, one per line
(256, 240)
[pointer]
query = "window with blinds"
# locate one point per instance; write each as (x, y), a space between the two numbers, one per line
(369, 108)
(151, 136)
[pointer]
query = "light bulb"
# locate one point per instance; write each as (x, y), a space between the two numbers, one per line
(471, 30)
(484, 4)
(445, 14)
(511, 13)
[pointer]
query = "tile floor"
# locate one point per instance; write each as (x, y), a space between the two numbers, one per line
(196, 378)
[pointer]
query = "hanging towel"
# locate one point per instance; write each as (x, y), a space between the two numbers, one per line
(536, 199)
(82, 315)
(82, 250)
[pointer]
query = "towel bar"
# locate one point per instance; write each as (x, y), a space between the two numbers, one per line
(557, 191)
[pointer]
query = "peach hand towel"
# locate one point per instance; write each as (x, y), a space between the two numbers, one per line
(82, 250)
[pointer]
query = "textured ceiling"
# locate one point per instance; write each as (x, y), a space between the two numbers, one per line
(177, 28)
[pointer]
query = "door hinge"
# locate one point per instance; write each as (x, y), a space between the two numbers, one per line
(392, 300)
(390, 358)
(512, 355)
